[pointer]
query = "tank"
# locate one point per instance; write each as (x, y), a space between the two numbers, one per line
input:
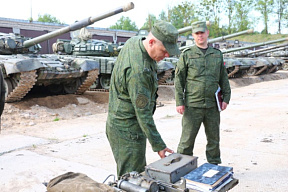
(24, 68)
(258, 65)
(83, 46)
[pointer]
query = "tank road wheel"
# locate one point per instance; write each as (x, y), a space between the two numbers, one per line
(8, 87)
(252, 71)
(170, 79)
(72, 86)
(105, 81)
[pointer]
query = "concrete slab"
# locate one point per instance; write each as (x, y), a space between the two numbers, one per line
(14, 142)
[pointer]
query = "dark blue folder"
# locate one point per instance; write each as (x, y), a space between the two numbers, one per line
(197, 174)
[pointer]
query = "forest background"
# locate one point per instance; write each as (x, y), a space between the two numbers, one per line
(226, 17)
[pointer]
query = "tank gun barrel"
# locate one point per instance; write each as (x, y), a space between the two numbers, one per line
(272, 50)
(267, 49)
(189, 28)
(217, 39)
(78, 25)
(254, 45)
(223, 37)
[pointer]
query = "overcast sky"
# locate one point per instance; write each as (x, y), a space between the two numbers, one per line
(68, 11)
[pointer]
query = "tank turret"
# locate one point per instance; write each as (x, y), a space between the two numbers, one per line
(22, 68)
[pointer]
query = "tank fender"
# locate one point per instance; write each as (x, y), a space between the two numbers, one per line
(165, 65)
(20, 65)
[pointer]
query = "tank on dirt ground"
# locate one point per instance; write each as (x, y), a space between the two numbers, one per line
(83, 46)
(23, 68)
(258, 65)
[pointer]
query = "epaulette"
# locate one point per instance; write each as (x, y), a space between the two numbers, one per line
(186, 49)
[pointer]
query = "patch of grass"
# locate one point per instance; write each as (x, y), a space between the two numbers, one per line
(85, 135)
(56, 119)
(259, 38)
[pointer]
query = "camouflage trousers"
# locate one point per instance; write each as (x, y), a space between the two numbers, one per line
(129, 150)
(191, 122)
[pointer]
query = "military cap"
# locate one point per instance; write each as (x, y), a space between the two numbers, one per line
(199, 26)
(168, 35)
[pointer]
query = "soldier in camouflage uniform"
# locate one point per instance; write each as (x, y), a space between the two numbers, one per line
(132, 97)
(199, 72)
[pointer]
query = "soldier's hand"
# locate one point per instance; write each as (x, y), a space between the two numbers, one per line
(180, 109)
(224, 106)
(162, 152)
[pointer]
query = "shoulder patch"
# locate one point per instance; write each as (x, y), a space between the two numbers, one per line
(141, 101)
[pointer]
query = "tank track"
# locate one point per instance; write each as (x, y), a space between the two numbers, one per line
(236, 69)
(90, 79)
(167, 74)
(26, 82)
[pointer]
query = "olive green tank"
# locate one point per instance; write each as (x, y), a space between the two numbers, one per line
(23, 67)
(83, 46)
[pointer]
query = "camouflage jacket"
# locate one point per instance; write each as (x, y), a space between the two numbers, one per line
(132, 94)
(2, 94)
(198, 76)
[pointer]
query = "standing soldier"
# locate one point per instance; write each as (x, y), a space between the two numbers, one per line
(132, 97)
(199, 72)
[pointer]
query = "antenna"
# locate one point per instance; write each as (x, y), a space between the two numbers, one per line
(31, 19)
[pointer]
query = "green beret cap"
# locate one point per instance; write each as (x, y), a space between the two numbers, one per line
(199, 26)
(168, 35)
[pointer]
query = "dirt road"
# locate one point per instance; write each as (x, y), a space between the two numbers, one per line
(42, 138)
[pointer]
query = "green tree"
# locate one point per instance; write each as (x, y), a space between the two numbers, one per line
(48, 19)
(241, 17)
(163, 16)
(150, 20)
(182, 15)
(265, 7)
(210, 10)
(281, 10)
(230, 9)
(125, 23)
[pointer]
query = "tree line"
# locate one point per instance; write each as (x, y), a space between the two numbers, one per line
(226, 16)
(237, 15)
